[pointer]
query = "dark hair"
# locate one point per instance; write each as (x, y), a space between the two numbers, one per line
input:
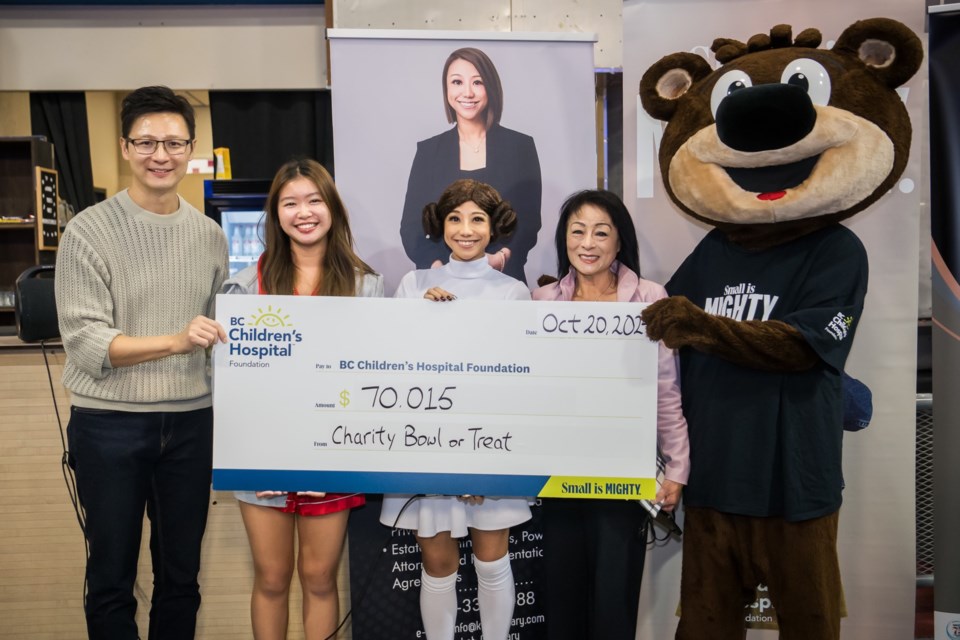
(629, 254)
(158, 99)
(491, 82)
(503, 219)
(340, 262)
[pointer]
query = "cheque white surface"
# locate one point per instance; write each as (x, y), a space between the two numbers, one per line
(470, 396)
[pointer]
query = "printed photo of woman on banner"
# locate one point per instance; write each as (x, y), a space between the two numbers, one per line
(515, 111)
(477, 147)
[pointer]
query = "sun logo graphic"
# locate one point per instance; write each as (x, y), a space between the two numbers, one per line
(270, 319)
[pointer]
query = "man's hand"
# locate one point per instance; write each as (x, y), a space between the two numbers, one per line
(200, 333)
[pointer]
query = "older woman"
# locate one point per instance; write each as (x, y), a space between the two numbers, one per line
(595, 548)
(477, 147)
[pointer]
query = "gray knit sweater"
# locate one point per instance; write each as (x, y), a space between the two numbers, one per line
(124, 270)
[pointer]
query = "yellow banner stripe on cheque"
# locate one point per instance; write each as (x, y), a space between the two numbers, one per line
(602, 488)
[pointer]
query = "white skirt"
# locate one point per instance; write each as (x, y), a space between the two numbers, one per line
(430, 515)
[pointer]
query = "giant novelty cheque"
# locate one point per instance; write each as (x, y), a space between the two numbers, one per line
(508, 398)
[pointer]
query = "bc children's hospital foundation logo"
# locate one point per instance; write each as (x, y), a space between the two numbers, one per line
(839, 326)
(265, 334)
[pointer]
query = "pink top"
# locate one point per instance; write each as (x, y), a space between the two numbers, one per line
(671, 425)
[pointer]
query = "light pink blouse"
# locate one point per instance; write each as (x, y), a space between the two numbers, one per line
(671, 425)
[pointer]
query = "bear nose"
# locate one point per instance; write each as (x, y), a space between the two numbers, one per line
(764, 117)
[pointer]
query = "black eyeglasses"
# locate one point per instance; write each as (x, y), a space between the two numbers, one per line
(146, 146)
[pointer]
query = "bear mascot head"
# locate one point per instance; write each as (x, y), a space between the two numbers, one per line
(783, 137)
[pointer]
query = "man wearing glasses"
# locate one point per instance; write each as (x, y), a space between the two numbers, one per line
(135, 285)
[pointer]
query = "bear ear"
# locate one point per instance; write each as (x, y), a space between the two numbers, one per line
(889, 48)
(667, 80)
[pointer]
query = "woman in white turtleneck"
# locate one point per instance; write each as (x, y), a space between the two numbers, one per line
(467, 216)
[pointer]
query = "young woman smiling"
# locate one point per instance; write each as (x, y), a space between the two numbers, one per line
(468, 216)
(309, 251)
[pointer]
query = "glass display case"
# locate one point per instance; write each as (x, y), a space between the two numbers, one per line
(237, 206)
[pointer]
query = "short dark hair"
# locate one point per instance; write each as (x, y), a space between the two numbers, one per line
(503, 219)
(491, 82)
(629, 254)
(156, 99)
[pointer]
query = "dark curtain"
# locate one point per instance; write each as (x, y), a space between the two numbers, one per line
(615, 132)
(264, 129)
(944, 51)
(61, 117)
(945, 145)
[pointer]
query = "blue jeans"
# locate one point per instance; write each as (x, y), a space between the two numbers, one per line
(125, 462)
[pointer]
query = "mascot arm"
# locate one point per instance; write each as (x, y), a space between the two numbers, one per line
(770, 345)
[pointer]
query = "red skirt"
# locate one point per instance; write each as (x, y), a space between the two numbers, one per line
(317, 506)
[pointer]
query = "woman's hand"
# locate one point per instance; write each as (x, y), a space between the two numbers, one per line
(439, 295)
(312, 494)
(470, 499)
(270, 494)
(499, 259)
(669, 494)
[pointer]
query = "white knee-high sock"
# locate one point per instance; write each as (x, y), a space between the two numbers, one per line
(496, 593)
(438, 605)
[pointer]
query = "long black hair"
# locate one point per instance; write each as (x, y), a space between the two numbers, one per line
(629, 254)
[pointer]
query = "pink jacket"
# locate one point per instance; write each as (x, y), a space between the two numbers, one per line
(671, 425)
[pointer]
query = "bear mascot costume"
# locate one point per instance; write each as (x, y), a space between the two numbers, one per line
(772, 149)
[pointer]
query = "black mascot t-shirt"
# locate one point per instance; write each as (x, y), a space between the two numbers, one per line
(762, 443)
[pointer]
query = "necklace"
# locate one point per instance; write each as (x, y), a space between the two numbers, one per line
(474, 147)
(610, 287)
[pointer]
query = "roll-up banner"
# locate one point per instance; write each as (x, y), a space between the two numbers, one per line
(397, 145)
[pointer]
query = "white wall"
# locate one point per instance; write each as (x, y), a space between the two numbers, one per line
(115, 48)
(601, 17)
(247, 47)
